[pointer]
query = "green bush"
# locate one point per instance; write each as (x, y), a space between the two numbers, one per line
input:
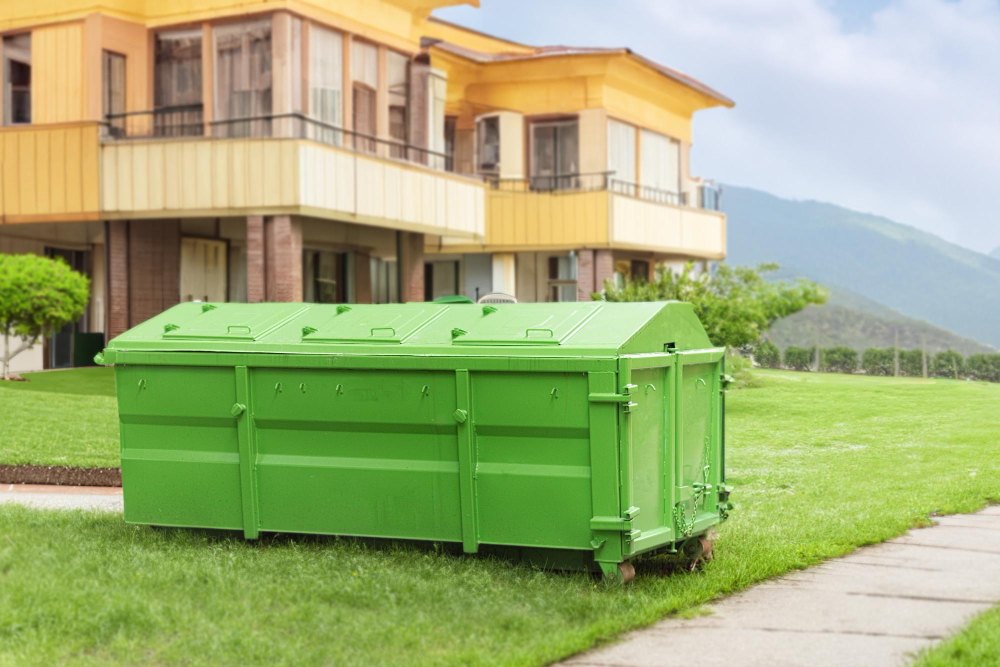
(878, 361)
(38, 296)
(984, 367)
(740, 368)
(911, 363)
(839, 359)
(767, 354)
(798, 358)
(947, 364)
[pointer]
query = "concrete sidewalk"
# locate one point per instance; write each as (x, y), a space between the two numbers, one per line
(106, 498)
(877, 606)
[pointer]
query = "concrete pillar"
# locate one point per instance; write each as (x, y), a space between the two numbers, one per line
(584, 274)
(411, 268)
(116, 294)
(504, 273)
(604, 268)
(282, 259)
(362, 277)
(255, 259)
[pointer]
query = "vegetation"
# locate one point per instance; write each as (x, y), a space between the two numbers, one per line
(850, 320)
(838, 360)
(767, 354)
(879, 361)
(977, 644)
(38, 296)
(65, 418)
(802, 451)
(736, 304)
(798, 358)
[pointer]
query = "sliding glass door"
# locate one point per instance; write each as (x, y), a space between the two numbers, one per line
(555, 155)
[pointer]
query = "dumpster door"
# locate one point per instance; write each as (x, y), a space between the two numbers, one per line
(697, 434)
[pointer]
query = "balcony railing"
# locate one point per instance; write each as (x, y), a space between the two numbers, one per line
(187, 121)
(581, 182)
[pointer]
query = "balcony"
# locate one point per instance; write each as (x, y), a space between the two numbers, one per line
(593, 211)
(170, 163)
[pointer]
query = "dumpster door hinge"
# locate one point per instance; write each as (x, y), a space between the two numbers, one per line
(625, 398)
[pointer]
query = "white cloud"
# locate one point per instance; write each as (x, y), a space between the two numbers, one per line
(900, 116)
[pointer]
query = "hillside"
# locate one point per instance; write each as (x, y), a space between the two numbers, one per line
(915, 273)
(996, 252)
(852, 320)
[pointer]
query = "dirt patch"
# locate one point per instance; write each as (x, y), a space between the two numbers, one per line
(60, 475)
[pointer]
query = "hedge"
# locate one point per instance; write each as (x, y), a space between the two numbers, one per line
(838, 359)
(882, 361)
(798, 358)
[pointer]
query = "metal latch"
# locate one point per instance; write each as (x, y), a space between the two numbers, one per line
(625, 398)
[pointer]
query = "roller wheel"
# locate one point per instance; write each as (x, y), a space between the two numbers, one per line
(627, 571)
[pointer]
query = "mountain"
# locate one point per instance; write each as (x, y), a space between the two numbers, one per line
(852, 320)
(915, 273)
(996, 252)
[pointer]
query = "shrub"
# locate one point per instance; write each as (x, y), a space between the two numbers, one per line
(911, 363)
(878, 361)
(984, 367)
(798, 358)
(740, 368)
(767, 354)
(736, 304)
(840, 359)
(38, 296)
(947, 364)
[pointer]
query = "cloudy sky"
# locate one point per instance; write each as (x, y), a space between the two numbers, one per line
(885, 106)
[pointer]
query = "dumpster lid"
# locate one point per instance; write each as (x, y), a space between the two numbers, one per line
(241, 321)
(387, 324)
(527, 324)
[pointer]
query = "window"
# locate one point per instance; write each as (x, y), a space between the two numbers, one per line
(243, 79)
(440, 279)
(177, 84)
(488, 144)
(659, 167)
(449, 142)
(324, 274)
(562, 278)
(17, 79)
(385, 280)
(555, 152)
(398, 74)
(364, 75)
(326, 83)
(113, 91)
(438, 125)
(621, 156)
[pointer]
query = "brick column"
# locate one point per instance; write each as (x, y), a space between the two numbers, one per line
(255, 259)
(282, 259)
(584, 274)
(154, 265)
(412, 266)
(116, 299)
(604, 268)
(362, 277)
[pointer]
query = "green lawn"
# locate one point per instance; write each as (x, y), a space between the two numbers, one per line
(65, 418)
(821, 464)
(977, 644)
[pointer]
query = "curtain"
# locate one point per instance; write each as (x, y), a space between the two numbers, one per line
(177, 83)
(621, 156)
(364, 73)
(659, 167)
(114, 91)
(326, 82)
(243, 78)
(398, 75)
(555, 155)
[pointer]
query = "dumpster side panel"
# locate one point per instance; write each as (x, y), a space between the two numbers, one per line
(532, 439)
(650, 453)
(180, 450)
(357, 452)
(698, 431)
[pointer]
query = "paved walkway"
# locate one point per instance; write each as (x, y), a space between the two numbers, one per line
(877, 606)
(63, 497)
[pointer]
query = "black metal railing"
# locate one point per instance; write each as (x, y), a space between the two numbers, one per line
(648, 193)
(581, 182)
(188, 122)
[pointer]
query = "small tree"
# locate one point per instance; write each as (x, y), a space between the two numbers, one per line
(984, 367)
(736, 304)
(879, 360)
(799, 358)
(38, 296)
(911, 362)
(839, 359)
(947, 364)
(766, 354)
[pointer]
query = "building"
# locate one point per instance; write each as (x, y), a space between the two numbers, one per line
(333, 151)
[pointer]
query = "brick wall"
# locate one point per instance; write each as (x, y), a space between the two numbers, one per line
(604, 268)
(116, 306)
(363, 277)
(584, 274)
(412, 271)
(283, 258)
(255, 259)
(154, 264)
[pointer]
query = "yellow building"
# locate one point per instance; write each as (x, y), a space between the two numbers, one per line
(332, 151)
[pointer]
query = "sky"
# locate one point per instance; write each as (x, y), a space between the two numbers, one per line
(889, 107)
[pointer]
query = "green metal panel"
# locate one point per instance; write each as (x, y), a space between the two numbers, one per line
(582, 427)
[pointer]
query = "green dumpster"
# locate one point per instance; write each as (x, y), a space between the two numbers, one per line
(579, 435)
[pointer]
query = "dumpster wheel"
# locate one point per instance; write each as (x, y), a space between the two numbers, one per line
(617, 574)
(627, 571)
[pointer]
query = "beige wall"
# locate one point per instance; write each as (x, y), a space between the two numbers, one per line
(636, 223)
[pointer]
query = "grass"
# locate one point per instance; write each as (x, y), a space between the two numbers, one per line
(821, 464)
(977, 644)
(67, 418)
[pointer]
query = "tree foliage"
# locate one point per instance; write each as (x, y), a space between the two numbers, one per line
(736, 304)
(767, 354)
(38, 296)
(839, 359)
(947, 364)
(799, 358)
(879, 361)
